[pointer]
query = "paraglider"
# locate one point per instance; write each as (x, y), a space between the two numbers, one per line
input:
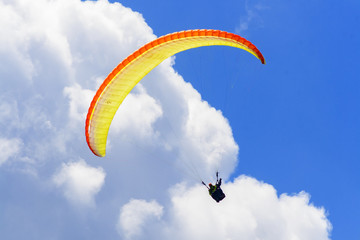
(130, 71)
(214, 190)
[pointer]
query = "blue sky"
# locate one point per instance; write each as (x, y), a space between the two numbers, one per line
(287, 131)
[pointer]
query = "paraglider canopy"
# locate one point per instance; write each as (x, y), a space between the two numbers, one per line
(130, 71)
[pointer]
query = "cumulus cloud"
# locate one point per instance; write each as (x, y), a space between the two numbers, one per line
(79, 182)
(135, 214)
(53, 54)
(251, 210)
(137, 114)
(9, 117)
(210, 137)
(9, 148)
(78, 101)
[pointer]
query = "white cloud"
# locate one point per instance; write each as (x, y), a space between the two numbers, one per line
(251, 210)
(209, 136)
(9, 116)
(79, 102)
(53, 52)
(135, 214)
(80, 182)
(137, 114)
(9, 148)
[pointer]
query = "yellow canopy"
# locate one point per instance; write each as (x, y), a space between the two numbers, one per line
(129, 72)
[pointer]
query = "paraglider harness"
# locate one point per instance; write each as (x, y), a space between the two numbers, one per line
(214, 190)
